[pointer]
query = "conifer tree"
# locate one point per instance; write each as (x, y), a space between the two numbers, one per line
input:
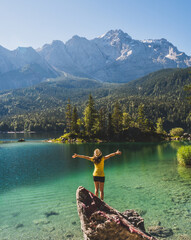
(126, 121)
(142, 121)
(110, 132)
(188, 90)
(117, 118)
(74, 121)
(159, 126)
(68, 115)
(100, 124)
(140, 116)
(90, 117)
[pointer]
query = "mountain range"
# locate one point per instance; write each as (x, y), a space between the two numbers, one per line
(113, 57)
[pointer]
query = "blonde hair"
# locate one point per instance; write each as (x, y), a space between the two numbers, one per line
(97, 156)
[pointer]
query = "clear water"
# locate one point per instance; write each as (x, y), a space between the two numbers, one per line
(37, 178)
(29, 136)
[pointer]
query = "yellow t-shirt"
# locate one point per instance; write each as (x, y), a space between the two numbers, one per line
(99, 168)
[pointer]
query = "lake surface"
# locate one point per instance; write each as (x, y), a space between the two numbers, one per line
(39, 179)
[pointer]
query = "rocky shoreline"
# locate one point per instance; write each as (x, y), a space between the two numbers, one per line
(184, 137)
(133, 135)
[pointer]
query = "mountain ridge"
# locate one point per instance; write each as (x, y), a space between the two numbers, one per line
(112, 57)
(115, 54)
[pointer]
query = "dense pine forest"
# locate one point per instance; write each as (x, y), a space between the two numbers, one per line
(160, 98)
(96, 125)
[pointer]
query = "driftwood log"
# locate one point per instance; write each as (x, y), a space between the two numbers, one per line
(99, 221)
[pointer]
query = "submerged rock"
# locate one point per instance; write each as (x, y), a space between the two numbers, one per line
(99, 221)
(16, 214)
(51, 213)
(21, 140)
(159, 231)
(41, 221)
(19, 225)
(184, 237)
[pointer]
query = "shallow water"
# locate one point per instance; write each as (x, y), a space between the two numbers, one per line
(39, 179)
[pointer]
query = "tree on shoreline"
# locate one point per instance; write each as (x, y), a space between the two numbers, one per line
(100, 126)
(159, 126)
(110, 131)
(74, 121)
(90, 116)
(68, 115)
(117, 119)
(142, 121)
(126, 120)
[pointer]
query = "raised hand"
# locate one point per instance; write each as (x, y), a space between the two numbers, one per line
(118, 152)
(75, 155)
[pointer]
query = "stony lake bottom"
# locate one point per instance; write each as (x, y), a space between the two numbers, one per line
(38, 183)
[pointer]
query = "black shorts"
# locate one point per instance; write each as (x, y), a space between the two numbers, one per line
(99, 179)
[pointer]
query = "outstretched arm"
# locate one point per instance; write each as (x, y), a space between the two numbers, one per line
(81, 156)
(112, 154)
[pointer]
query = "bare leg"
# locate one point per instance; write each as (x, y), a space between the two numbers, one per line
(101, 185)
(96, 188)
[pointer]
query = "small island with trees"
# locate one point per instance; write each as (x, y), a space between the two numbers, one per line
(110, 125)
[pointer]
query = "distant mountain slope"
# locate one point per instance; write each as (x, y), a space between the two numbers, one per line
(164, 85)
(26, 76)
(23, 67)
(113, 57)
(168, 82)
(52, 93)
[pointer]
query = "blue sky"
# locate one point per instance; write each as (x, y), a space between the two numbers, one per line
(34, 23)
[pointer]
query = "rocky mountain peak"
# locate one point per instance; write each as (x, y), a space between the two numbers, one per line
(115, 36)
(54, 45)
(57, 43)
(25, 52)
(77, 40)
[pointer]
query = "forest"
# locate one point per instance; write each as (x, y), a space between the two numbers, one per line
(101, 125)
(161, 95)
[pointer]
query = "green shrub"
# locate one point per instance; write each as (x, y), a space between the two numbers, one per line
(184, 155)
(184, 172)
(176, 132)
(69, 135)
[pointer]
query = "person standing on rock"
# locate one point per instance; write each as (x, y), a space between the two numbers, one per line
(98, 174)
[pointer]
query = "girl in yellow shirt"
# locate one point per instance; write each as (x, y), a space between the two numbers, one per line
(98, 174)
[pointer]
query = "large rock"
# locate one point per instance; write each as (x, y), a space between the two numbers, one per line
(99, 221)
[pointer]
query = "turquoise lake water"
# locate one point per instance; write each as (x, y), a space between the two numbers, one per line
(38, 178)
